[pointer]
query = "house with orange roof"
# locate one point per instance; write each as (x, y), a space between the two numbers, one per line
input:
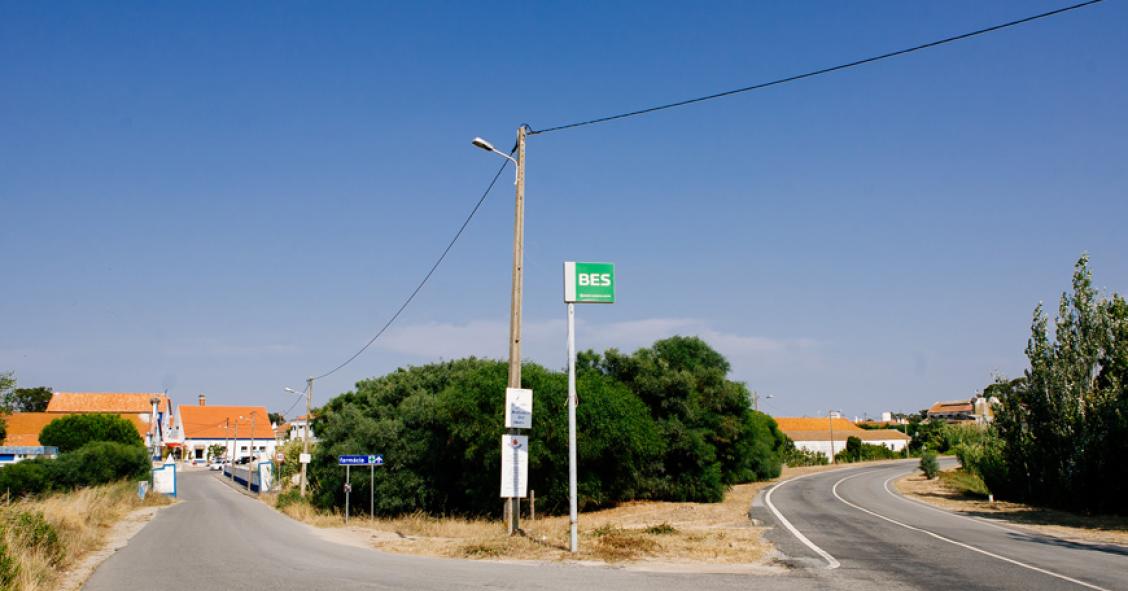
(241, 431)
(154, 409)
(828, 435)
(22, 439)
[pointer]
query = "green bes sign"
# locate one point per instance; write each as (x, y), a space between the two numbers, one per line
(589, 283)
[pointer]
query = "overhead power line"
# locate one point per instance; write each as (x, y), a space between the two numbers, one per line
(814, 73)
(426, 277)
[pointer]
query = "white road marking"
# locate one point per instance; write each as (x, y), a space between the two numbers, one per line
(834, 490)
(978, 520)
(831, 563)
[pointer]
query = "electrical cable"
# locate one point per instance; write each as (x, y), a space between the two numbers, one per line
(814, 72)
(426, 277)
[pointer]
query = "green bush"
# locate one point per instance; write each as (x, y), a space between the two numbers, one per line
(662, 423)
(8, 567)
(929, 464)
(288, 497)
(796, 457)
(74, 431)
(29, 529)
(95, 463)
(856, 451)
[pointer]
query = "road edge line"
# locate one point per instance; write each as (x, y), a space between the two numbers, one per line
(834, 491)
(987, 522)
(832, 563)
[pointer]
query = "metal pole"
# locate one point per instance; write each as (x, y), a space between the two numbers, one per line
(573, 516)
(305, 432)
(830, 421)
(235, 445)
(371, 490)
(251, 449)
(348, 490)
(514, 504)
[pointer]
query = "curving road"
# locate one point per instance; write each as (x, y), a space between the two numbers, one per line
(217, 538)
(850, 521)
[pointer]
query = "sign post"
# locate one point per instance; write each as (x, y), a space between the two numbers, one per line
(584, 283)
(370, 460)
(514, 451)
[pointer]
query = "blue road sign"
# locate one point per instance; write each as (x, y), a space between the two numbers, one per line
(361, 460)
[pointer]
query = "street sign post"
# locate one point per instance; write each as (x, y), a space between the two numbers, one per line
(370, 460)
(584, 283)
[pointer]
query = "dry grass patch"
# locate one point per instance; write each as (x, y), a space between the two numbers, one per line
(46, 536)
(644, 532)
(952, 492)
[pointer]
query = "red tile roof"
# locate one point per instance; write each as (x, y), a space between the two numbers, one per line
(863, 434)
(220, 422)
(112, 402)
(951, 406)
(24, 427)
(814, 424)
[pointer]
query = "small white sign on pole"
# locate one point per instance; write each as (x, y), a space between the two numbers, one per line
(518, 408)
(514, 466)
(304, 458)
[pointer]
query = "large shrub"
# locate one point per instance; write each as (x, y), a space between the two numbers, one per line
(74, 431)
(95, 463)
(713, 437)
(663, 423)
(439, 427)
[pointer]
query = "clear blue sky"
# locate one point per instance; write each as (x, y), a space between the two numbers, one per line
(226, 198)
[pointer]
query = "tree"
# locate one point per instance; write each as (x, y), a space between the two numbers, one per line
(71, 432)
(216, 451)
(7, 384)
(276, 418)
(27, 399)
(929, 465)
(1061, 434)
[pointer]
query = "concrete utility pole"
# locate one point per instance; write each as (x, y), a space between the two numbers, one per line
(305, 431)
(515, 300)
(234, 448)
(251, 459)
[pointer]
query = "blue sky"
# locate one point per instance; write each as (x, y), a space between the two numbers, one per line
(225, 198)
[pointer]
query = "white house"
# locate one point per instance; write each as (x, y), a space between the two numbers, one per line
(826, 434)
(240, 430)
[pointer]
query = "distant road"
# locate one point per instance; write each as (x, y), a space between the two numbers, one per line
(219, 539)
(851, 521)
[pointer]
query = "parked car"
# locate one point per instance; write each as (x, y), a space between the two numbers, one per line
(216, 466)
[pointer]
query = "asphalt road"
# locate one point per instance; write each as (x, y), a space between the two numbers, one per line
(218, 538)
(855, 524)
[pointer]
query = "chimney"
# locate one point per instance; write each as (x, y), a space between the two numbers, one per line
(203, 399)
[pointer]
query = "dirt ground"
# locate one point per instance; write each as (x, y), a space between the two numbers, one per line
(1070, 526)
(659, 536)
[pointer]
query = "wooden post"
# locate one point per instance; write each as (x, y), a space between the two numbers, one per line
(532, 505)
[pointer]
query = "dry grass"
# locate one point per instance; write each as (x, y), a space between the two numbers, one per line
(80, 519)
(951, 492)
(645, 532)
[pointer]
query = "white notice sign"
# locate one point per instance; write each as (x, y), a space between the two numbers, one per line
(514, 466)
(518, 408)
(304, 458)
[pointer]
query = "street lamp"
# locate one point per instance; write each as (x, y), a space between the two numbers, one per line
(514, 505)
(305, 430)
(830, 421)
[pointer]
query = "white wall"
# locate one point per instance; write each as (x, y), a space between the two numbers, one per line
(840, 444)
(239, 448)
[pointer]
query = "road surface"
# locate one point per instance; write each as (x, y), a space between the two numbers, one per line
(217, 538)
(854, 523)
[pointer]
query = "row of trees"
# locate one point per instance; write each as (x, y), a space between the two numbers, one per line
(13, 399)
(1061, 436)
(661, 423)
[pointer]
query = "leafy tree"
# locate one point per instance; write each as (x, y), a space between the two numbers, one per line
(27, 399)
(713, 437)
(71, 432)
(929, 464)
(1061, 434)
(216, 451)
(276, 418)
